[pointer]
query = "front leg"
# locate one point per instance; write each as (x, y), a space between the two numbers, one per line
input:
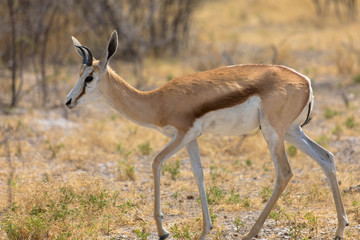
(194, 154)
(175, 145)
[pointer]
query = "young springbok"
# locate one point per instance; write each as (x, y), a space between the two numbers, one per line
(230, 100)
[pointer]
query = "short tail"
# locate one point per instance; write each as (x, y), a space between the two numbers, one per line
(308, 118)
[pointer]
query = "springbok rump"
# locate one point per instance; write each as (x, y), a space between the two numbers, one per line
(230, 100)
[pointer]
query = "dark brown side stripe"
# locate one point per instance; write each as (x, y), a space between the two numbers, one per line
(229, 100)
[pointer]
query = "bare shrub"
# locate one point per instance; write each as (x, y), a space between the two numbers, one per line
(37, 33)
(343, 9)
(145, 27)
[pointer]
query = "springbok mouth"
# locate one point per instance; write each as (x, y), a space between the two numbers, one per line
(75, 106)
(69, 104)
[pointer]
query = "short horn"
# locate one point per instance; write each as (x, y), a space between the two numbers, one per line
(83, 53)
(90, 57)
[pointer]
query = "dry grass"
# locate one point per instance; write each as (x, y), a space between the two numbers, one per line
(86, 174)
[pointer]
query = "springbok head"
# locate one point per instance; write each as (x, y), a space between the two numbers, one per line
(91, 72)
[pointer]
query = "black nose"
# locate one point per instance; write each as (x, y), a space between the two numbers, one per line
(68, 102)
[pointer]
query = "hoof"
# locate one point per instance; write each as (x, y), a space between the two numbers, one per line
(346, 224)
(337, 238)
(163, 237)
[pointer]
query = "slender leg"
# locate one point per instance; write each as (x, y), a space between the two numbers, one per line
(194, 154)
(325, 159)
(175, 145)
(283, 174)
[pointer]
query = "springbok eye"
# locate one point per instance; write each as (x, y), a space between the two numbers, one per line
(88, 79)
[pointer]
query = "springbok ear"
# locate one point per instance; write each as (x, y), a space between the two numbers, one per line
(77, 46)
(110, 50)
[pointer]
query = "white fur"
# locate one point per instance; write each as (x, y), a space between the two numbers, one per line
(232, 121)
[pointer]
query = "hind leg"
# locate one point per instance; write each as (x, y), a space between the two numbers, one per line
(325, 159)
(283, 173)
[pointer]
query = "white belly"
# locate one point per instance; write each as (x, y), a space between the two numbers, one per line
(232, 121)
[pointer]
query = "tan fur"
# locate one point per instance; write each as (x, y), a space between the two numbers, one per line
(284, 94)
(136, 105)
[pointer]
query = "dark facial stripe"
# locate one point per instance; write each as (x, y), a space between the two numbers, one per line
(81, 94)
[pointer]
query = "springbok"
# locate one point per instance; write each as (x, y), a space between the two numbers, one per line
(229, 100)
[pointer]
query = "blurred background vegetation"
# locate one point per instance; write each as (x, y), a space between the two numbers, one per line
(35, 35)
(35, 45)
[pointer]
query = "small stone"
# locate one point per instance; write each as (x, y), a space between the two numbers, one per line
(190, 197)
